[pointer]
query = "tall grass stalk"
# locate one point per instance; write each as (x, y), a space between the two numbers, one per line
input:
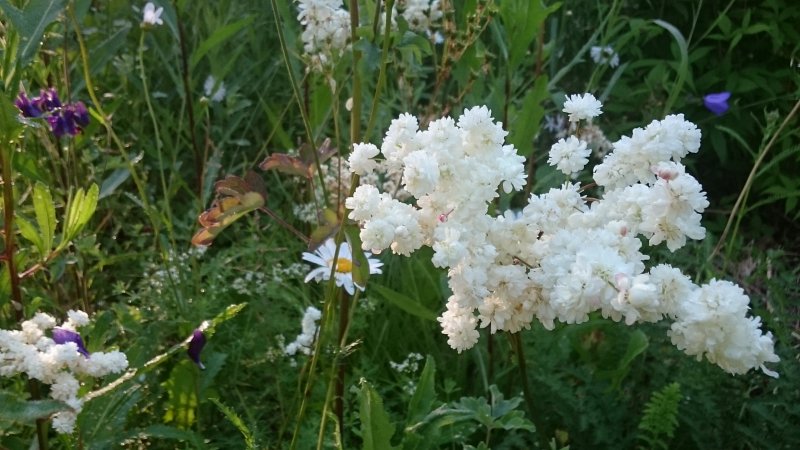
(112, 135)
(159, 143)
(737, 213)
(298, 98)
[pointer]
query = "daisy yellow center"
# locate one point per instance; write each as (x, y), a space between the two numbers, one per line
(343, 265)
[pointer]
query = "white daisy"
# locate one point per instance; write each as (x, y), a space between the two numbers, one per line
(323, 256)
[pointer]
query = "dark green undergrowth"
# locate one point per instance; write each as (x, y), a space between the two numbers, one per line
(598, 384)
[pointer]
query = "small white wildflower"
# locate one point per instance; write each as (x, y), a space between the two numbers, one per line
(216, 92)
(569, 155)
(582, 107)
(152, 15)
(361, 160)
(604, 55)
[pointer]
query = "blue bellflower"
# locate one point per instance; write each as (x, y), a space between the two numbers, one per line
(62, 336)
(717, 103)
(196, 345)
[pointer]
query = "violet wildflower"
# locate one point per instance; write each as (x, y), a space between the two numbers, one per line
(717, 103)
(66, 119)
(196, 345)
(48, 99)
(63, 336)
(27, 106)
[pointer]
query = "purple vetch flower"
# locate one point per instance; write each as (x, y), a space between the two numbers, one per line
(48, 99)
(63, 335)
(196, 345)
(64, 119)
(79, 113)
(27, 106)
(717, 103)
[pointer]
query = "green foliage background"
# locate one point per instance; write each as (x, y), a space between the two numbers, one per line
(164, 144)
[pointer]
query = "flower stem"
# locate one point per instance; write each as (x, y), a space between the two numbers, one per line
(6, 156)
(536, 417)
(112, 135)
(298, 98)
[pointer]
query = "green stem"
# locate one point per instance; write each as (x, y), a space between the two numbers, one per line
(104, 119)
(156, 132)
(6, 157)
(199, 160)
(740, 201)
(298, 98)
(355, 113)
(542, 432)
(382, 73)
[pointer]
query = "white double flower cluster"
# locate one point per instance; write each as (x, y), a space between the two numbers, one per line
(563, 256)
(32, 352)
(304, 342)
(326, 30)
(326, 25)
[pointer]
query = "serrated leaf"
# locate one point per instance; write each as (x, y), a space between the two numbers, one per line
(45, 211)
(16, 409)
(31, 24)
(376, 428)
(237, 421)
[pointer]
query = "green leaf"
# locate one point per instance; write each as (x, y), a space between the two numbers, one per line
(404, 302)
(233, 418)
(31, 23)
(29, 232)
(527, 120)
(17, 409)
(45, 211)
(683, 65)
(168, 432)
(376, 429)
(79, 211)
(637, 344)
(9, 123)
(360, 269)
(113, 181)
(219, 36)
(424, 394)
(182, 398)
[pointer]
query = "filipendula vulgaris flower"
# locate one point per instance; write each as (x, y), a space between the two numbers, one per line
(326, 30)
(343, 274)
(57, 361)
(561, 257)
(305, 340)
